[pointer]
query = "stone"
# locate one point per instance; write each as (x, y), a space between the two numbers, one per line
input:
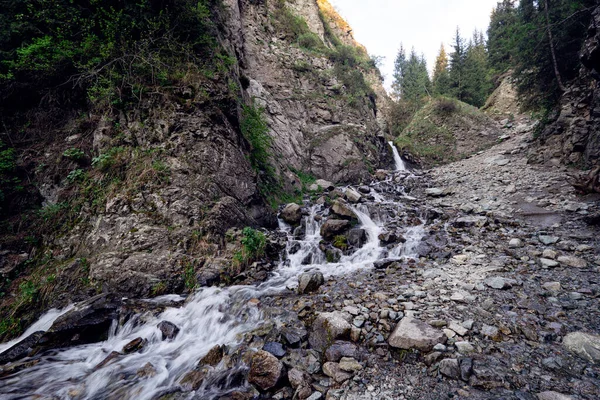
(310, 282)
(437, 192)
(350, 364)
(192, 380)
(411, 333)
(492, 332)
(214, 356)
(265, 370)
(168, 330)
(500, 283)
(470, 221)
(334, 371)
(450, 368)
(340, 349)
(135, 345)
(550, 254)
(515, 243)
(292, 214)
(275, 348)
(324, 185)
(147, 371)
(553, 287)
(464, 347)
(548, 240)
(341, 209)
(553, 396)
(327, 328)
(459, 329)
(297, 378)
(357, 237)
(385, 263)
(466, 368)
(572, 261)
(353, 196)
(548, 263)
(334, 227)
(315, 396)
(585, 345)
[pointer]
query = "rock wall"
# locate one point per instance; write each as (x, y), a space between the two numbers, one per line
(574, 136)
(184, 175)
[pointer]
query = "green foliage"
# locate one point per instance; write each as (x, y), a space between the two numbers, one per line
(189, 275)
(114, 49)
(74, 154)
(256, 131)
(341, 242)
(9, 182)
(113, 158)
(9, 327)
(160, 288)
(76, 175)
(310, 41)
(28, 292)
(411, 79)
(253, 243)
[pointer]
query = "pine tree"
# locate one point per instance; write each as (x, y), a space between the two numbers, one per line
(399, 67)
(457, 66)
(441, 76)
(501, 36)
(415, 81)
(476, 83)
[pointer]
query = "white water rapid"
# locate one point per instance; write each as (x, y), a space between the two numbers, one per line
(212, 316)
(400, 166)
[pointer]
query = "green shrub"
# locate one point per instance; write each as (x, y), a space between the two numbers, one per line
(114, 157)
(310, 41)
(77, 175)
(256, 131)
(253, 247)
(341, 242)
(74, 154)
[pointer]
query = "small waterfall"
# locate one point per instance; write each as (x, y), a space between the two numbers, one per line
(399, 162)
(212, 316)
(413, 237)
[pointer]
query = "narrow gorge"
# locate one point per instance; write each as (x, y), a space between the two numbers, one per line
(259, 224)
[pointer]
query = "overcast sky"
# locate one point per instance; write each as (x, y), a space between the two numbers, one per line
(381, 25)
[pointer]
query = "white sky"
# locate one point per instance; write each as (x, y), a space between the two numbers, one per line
(381, 25)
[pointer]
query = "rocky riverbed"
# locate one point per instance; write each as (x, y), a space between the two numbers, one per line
(476, 280)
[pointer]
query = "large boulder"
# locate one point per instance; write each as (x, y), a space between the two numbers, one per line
(327, 328)
(265, 370)
(292, 214)
(310, 281)
(353, 196)
(585, 345)
(411, 333)
(333, 227)
(341, 209)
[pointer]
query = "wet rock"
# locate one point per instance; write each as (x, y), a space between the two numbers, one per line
(334, 371)
(168, 330)
(333, 227)
(87, 322)
(343, 210)
(411, 333)
(265, 370)
(214, 356)
(357, 237)
(275, 348)
(327, 328)
(450, 368)
(147, 371)
(192, 380)
(310, 281)
(585, 345)
(324, 185)
(353, 196)
(135, 345)
(292, 214)
(340, 349)
(113, 355)
(553, 396)
(500, 283)
(385, 263)
(388, 238)
(21, 349)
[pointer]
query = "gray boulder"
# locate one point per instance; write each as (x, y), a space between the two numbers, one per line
(327, 328)
(585, 345)
(265, 370)
(411, 333)
(292, 214)
(334, 227)
(310, 281)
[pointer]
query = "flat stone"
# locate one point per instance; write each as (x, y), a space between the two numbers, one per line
(548, 263)
(500, 283)
(548, 240)
(411, 333)
(549, 253)
(350, 364)
(464, 347)
(437, 192)
(491, 331)
(470, 221)
(334, 371)
(353, 196)
(275, 348)
(553, 396)
(340, 349)
(515, 243)
(134, 345)
(554, 287)
(459, 329)
(585, 345)
(571, 261)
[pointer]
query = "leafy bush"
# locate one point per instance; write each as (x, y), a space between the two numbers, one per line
(76, 175)
(253, 246)
(74, 154)
(446, 107)
(112, 158)
(256, 131)
(310, 41)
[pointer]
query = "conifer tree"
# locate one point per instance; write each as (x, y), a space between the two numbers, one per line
(441, 76)
(501, 39)
(399, 70)
(457, 66)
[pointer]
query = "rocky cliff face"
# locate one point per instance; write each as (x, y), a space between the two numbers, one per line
(574, 136)
(172, 175)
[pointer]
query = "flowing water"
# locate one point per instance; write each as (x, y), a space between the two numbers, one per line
(400, 166)
(212, 316)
